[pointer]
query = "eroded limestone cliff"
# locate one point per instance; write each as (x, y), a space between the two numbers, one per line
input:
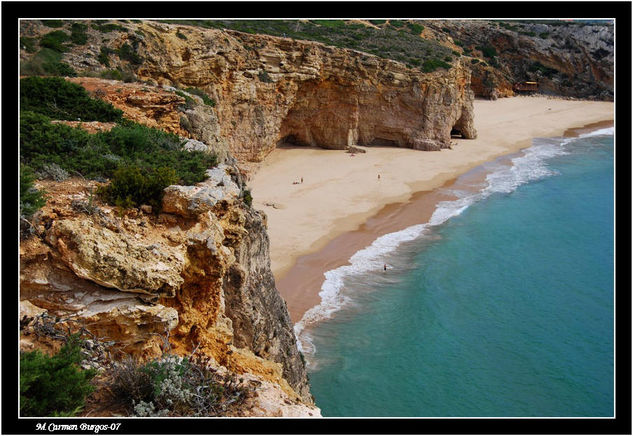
(270, 90)
(198, 274)
(574, 58)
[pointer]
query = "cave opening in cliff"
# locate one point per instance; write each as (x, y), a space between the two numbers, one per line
(288, 141)
(456, 133)
(383, 142)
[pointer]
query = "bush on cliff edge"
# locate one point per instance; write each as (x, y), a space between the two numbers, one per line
(133, 186)
(54, 385)
(173, 386)
(59, 99)
(30, 198)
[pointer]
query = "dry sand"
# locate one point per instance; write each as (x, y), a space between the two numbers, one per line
(325, 219)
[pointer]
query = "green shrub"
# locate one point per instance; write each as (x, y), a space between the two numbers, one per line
(247, 197)
(60, 69)
(544, 35)
(474, 61)
(118, 74)
(186, 124)
(53, 23)
(126, 52)
(416, 29)
(332, 24)
(78, 34)
(42, 142)
(509, 26)
(133, 186)
(104, 56)
(431, 65)
(46, 62)
(108, 27)
(488, 51)
(544, 70)
(189, 102)
(31, 200)
(264, 77)
(111, 74)
(181, 35)
(59, 99)
(28, 44)
(54, 40)
(54, 386)
(200, 93)
(97, 156)
(173, 386)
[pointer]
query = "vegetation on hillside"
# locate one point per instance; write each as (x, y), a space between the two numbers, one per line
(46, 62)
(54, 385)
(140, 160)
(98, 155)
(31, 199)
(398, 40)
(49, 48)
(203, 95)
(173, 386)
(62, 100)
(132, 186)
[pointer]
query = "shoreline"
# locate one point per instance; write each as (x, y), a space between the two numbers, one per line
(300, 273)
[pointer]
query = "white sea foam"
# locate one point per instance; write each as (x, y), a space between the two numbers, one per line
(599, 132)
(530, 166)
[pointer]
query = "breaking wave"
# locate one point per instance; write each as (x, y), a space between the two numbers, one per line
(530, 166)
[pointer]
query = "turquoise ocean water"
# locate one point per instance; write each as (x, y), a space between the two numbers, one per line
(501, 305)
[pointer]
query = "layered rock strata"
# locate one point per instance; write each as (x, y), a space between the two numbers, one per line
(198, 275)
(271, 90)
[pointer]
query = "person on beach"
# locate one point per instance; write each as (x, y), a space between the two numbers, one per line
(301, 179)
(378, 176)
(385, 267)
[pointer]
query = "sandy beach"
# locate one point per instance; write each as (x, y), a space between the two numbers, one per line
(342, 205)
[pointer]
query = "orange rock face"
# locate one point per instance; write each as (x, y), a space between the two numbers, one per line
(199, 276)
(147, 105)
(269, 90)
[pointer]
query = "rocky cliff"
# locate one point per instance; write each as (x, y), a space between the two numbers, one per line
(197, 274)
(268, 90)
(573, 59)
